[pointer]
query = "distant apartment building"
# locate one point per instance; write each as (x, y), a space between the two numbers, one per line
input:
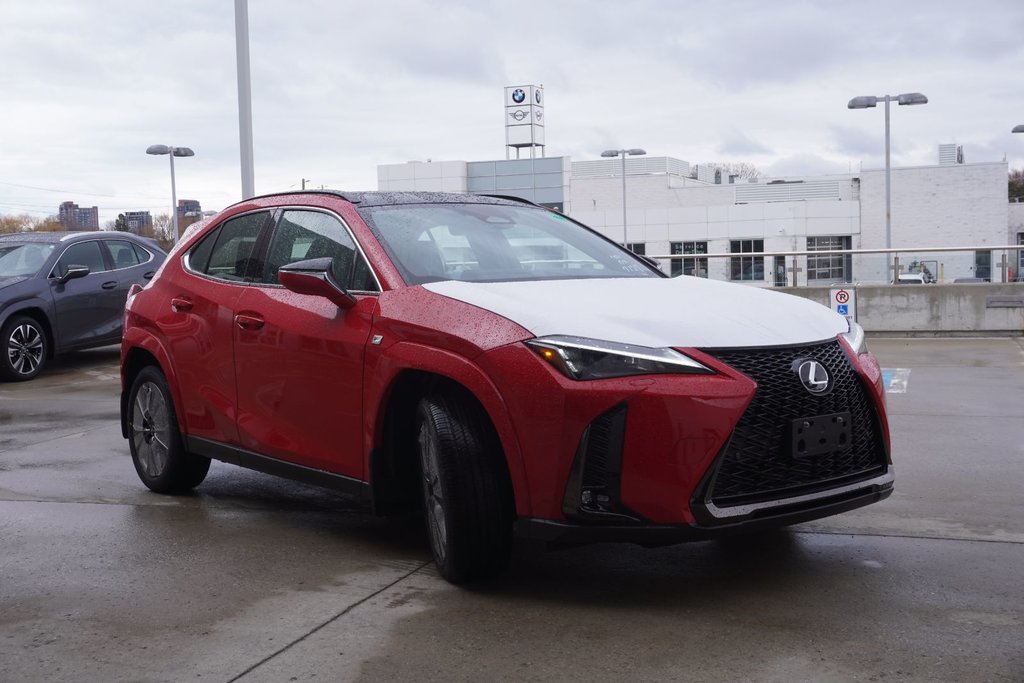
(139, 222)
(74, 217)
(190, 208)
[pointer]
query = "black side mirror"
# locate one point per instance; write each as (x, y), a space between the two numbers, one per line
(73, 273)
(313, 276)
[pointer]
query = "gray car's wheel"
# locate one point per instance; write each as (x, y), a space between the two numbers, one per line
(466, 492)
(158, 452)
(24, 349)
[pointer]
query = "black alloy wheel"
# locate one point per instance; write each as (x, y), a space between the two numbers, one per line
(24, 349)
(157, 448)
(466, 491)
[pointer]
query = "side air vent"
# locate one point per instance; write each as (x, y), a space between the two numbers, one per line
(593, 490)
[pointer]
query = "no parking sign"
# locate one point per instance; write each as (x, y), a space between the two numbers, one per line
(844, 302)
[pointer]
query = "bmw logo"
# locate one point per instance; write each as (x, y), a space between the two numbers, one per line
(518, 95)
(813, 376)
(536, 96)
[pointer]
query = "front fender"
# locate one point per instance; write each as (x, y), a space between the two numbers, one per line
(382, 371)
(136, 339)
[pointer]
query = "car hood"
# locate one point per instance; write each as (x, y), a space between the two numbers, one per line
(682, 312)
(11, 280)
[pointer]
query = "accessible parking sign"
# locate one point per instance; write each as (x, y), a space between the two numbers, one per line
(844, 302)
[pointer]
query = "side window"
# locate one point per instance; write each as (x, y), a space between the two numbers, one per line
(141, 253)
(81, 254)
(227, 252)
(122, 253)
(303, 235)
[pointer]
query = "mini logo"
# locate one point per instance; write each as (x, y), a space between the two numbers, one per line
(518, 96)
(813, 376)
(519, 114)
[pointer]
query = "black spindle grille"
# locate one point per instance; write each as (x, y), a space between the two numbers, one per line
(758, 464)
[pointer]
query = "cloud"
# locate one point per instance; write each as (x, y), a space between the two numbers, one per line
(739, 145)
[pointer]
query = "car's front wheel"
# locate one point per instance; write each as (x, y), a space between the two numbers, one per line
(158, 452)
(466, 494)
(24, 349)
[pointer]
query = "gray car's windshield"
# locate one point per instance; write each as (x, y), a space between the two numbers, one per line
(494, 243)
(23, 259)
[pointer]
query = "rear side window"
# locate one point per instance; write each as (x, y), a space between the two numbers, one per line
(302, 235)
(141, 253)
(227, 252)
(123, 254)
(81, 254)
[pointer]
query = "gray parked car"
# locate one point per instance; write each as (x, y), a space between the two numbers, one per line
(65, 291)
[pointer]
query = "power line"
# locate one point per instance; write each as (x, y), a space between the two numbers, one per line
(50, 189)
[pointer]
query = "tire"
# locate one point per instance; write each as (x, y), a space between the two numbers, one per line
(466, 490)
(158, 451)
(24, 349)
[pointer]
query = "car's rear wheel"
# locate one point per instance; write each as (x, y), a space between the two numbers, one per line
(466, 493)
(24, 349)
(158, 451)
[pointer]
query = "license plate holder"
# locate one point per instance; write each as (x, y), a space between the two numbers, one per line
(813, 437)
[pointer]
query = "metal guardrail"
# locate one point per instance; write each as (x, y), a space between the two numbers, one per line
(999, 263)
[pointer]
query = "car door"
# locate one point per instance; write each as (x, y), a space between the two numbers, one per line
(131, 265)
(299, 358)
(198, 324)
(88, 309)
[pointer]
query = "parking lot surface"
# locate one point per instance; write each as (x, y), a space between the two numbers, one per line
(252, 578)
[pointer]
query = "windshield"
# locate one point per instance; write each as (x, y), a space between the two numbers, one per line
(23, 259)
(495, 243)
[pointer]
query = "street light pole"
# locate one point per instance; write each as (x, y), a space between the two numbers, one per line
(244, 98)
(172, 152)
(622, 153)
(867, 102)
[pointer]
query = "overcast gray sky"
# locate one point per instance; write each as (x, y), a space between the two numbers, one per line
(340, 87)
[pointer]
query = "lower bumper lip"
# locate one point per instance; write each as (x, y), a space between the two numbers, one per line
(744, 511)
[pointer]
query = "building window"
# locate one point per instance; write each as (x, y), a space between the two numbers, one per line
(639, 248)
(1019, 275)
(983, 265)
(746, 267)
(695, 265)
(833, 267)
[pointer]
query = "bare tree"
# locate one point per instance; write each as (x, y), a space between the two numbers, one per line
(1016, 185)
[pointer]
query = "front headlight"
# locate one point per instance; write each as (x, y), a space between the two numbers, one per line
(856, 338)
(584, 359)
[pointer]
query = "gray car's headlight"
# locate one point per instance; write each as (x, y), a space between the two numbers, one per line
(584, 359)
(856, 338)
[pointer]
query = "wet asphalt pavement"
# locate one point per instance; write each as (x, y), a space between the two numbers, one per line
(256, 579)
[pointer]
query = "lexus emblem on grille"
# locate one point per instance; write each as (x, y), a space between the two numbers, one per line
(813, 376)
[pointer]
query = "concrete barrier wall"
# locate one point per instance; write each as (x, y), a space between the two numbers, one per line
(949, 310)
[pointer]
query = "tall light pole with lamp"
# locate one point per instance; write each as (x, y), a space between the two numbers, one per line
(623, 153)
(1020, 254)
(172, 152)
(867, 102)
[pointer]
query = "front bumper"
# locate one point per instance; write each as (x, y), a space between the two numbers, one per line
(743, 519)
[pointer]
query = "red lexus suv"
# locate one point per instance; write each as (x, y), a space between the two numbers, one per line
(498, 366)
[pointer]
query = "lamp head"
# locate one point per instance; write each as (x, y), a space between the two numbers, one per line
(863, 102)
(912, 98)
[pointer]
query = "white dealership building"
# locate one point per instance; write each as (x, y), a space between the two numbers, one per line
(670, 213)
(710, 224)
